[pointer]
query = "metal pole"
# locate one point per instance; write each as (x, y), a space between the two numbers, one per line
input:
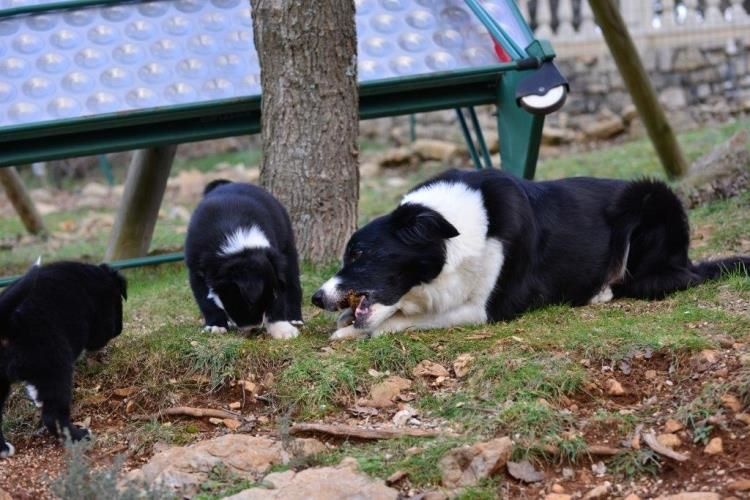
(641, 91)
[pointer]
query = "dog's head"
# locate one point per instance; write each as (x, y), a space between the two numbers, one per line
(114, 288)
(244, 284)
(384, 260)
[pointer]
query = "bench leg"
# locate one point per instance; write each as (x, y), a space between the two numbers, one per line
(144, 189)
(520, 132)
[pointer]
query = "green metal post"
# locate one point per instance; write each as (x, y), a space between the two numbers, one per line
(520, 132)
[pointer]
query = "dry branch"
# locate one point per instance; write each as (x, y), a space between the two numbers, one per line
(190, 412)
(650, 439)
(359, 433)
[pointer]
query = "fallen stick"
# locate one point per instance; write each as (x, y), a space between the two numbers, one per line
(650, 439)
(357, 432)
(190, 412)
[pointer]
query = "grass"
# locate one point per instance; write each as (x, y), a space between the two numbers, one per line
(521, 372)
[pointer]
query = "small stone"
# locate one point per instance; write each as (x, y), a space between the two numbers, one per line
(600, 491)
(467, 465)
(557, 496)
(650, 374)
(672, 425)
(714, 447)
(669, 440)
(568, 473)
(557, 488)
(730, 402)
(235, 405)
(232, 424)
(743, 417)
(741, 485)
(216, 421)
(614, 388)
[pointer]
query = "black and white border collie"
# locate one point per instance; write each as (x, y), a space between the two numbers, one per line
(242, 261)
(472, 247)
(47, 318)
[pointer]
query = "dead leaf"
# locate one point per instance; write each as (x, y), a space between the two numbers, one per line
(672, 425)
(383, 394)
(524, 471)
(125, 392)
(429, 368)
(462, 365)
(232, 424)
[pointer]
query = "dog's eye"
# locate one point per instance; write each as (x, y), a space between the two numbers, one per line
(354, 255)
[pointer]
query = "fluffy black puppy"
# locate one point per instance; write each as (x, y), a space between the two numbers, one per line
(242, 260)
(47, 318)
(483, 246)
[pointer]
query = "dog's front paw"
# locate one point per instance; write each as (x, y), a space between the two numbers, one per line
(214, 329)
(78, 433)
(7, 450)
(348, 332)
(282, 330)
(345, 319)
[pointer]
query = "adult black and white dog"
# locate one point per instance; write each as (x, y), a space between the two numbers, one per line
(483, 246)
(242, 260)
(47, 318)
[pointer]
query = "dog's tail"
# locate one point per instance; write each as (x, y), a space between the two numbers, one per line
(714, 269)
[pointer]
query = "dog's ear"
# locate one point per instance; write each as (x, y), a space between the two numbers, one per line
(214, 184)
(417, 224)
(278, 263)
(118, 278)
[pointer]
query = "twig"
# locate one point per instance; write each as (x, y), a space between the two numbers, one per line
(650, 439)
(190, 412)
(603, 450)
(357, 432)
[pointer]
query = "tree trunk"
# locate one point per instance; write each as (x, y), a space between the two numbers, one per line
(21, 201)
(310, 119)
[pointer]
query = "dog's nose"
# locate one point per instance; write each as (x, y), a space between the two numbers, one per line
(317, 299)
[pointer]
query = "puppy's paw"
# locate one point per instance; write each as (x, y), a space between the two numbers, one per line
(348, 332)
(282, 330)
(297, 322)
(7, 450)
(214, 329)
(345, 319)
(78, 433)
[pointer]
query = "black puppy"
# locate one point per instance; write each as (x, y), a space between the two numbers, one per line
(242, 260)
(47, 318)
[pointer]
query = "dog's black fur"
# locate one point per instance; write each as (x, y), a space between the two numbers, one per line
(563, 242)
(250, 282)
(47, 318)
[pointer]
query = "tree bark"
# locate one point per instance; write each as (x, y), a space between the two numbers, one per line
(310, 120)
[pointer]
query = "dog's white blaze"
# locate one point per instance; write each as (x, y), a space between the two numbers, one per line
(331, 290)
(215, 298)
(244, 238)
(11, 451)
(464, 208)
(33, 393)
(605, 295)
(282, 330)
(38, 261)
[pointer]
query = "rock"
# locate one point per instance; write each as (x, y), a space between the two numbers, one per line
(673, 98)
(236, 405)
(704, 360)
(672, 425)
(343, 482)
(557, 488)
(4, 495)
(466, 465)
(629, 113)
(429, 368)
(691, 495)
(554, 135)
(714, 447)
(743, 417)
(431, 149)
(650, 374)
(603, 128)
(383, 394)
(403, 416)
(730, 402)
(689, 59)
(614, 388)
(232, 424)
(397, 157)
(557, 496)
(184, 468)
(600, 491)
(669, 440)
(741, 485)
(462, 365)
(524, 471)
(724, 172)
